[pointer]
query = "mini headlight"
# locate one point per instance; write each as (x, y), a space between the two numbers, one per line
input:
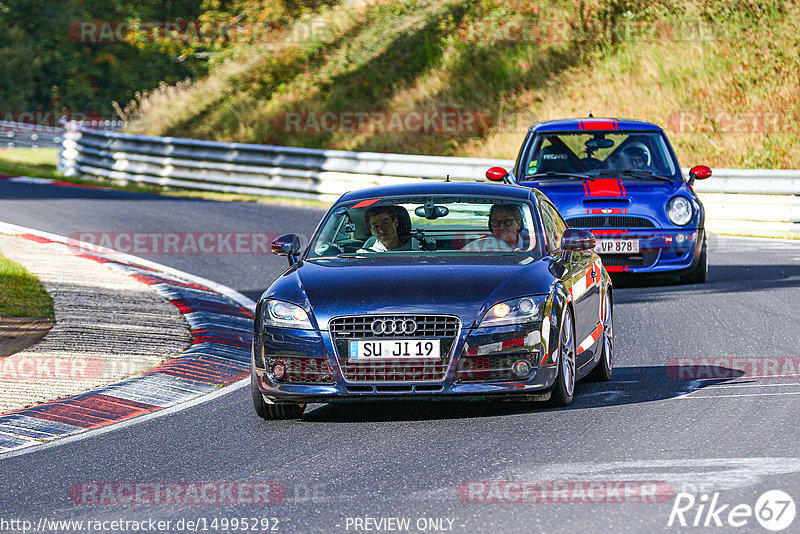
(679, 210)
(515, 311)
(285, 315)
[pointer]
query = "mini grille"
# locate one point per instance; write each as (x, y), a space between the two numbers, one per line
(442, 327)
(644, 259)
(610, 221)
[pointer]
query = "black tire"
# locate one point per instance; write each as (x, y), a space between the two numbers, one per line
(273, 411)
(699, 274)
(602, 371)
(564, 388)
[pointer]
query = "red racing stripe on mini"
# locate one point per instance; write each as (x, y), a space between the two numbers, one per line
(605, 187)
(608, 232)
(606, 211)
(599, 125)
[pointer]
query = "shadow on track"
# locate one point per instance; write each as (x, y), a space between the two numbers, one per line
(721, 279)
(630, 385)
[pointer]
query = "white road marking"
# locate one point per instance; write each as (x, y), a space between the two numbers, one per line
(736, 385)
(690, 396)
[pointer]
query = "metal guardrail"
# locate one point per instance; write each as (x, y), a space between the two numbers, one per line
(744, 202)
(27, 135)
(22, 135)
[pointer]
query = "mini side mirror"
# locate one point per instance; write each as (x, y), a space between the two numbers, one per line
(577, 240)
(496, 174)
(699, 172)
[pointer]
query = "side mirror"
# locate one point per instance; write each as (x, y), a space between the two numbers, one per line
(496, 174)
(577, 240)
(699, 172)
(286, 245)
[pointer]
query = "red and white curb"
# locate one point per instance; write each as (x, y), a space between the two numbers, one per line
(220, 320)
(46, 181)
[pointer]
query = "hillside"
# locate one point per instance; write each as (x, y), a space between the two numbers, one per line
(720, 76)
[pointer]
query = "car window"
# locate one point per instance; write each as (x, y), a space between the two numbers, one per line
(554, 225)
(429, 225)
(590, 153)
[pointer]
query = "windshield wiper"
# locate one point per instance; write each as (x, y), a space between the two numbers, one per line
(634, 174)
(553, 174)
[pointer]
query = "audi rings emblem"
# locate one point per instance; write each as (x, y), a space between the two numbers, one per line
(393, 326)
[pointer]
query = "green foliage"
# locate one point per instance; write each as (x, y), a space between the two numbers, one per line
(47, 67)
(21, 293)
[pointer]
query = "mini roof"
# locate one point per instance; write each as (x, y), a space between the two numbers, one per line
(562, 125)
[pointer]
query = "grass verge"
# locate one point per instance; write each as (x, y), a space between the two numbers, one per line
(21, 293)
(37, 162)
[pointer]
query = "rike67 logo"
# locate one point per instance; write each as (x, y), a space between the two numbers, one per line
(774, 510)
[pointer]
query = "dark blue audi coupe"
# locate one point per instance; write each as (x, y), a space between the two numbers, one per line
(448, 290)
(620, 180)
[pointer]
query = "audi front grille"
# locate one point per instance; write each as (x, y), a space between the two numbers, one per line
(360, 328)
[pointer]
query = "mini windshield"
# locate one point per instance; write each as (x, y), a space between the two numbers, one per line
(597, 154)
(428, 225)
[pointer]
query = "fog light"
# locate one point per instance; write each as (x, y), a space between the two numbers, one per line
(521, 368)
(279, 370)
(680, 238)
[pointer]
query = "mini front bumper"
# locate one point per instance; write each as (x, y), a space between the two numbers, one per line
(318, 345)
(660, 250)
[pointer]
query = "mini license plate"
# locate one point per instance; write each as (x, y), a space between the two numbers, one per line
(617, 246)
(382, 349)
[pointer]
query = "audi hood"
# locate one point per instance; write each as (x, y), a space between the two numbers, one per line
(465, 286)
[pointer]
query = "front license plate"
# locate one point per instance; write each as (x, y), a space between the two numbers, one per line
(428, 349)
(617, 246)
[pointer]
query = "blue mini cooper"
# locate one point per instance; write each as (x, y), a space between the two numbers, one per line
(435, 290)
(620, 180)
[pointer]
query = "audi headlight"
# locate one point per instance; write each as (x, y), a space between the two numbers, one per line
(516, 311)
(679, 210)
(285, 315)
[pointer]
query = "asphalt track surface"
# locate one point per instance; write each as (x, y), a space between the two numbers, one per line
(738, 437)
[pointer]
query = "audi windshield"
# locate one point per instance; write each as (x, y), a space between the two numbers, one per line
(428, 225)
